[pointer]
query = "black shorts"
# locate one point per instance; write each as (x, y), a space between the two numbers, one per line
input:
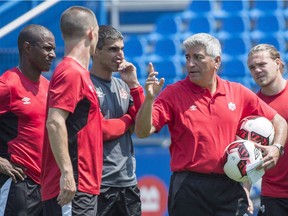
(21, 198)
(205, 195)
(114, 201)
(83, 204)
(273, 206)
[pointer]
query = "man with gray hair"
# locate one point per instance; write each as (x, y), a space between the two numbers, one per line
(202, 113)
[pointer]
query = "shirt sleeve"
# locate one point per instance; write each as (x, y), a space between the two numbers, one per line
(114, 128)
(256, 106)
(65, 90)
(138, 98)
(4, 97)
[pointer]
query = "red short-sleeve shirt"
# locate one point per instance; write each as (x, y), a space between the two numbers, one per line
(202, 125)
(72, 90)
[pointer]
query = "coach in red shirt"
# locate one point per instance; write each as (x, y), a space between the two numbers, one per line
(202, 113)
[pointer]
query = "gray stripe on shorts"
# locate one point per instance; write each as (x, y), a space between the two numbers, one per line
(4, 193)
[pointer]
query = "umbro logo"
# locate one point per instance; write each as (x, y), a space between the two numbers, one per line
(193, 107)
(26, 100)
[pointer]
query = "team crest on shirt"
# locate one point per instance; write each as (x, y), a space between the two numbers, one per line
(100, 92)
(232, 106)
(123, 93)
(26, 100)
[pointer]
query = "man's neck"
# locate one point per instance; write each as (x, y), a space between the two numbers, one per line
(274, 88)
(98, 71)
(79, 53)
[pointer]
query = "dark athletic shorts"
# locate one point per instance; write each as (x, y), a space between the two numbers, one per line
(19, 199)
(273, 206)
(83, 204)
(205, 195)
(114, 201)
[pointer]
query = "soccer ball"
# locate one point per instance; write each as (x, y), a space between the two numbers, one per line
(257, 129)
(237, 156)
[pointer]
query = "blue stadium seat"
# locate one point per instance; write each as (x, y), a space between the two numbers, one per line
(196, 8)
(268, 25)
(141, 68)
(259, 8)
(167, 25)
(234, 25)
(165, 48)
(171, 70)
(277, 41)
(235, 47)
(228, 8)
(233, 68)
(135, 46)
(199, 24)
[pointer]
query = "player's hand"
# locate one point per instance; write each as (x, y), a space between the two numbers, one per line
(67, 189)
(271, 156)
(152, 85)
(250, 208)
(12, 170)
(128, 74)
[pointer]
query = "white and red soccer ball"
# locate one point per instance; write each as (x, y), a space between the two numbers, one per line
(252, 129)
(257, 129)
(237, 156)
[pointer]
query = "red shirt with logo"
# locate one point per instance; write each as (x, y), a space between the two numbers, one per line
(72, 90)
(201, 125)
(22, 120)
(275, 180)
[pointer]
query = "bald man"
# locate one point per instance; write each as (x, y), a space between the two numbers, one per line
(23, 96)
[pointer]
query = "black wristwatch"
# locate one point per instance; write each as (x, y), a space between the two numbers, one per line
(280, 147)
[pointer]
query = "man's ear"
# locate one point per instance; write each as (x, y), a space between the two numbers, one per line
(217, 62)
(91, 34)
(26, 47)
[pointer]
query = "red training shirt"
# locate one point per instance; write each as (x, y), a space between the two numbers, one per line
(22, 120)
(275, 180)
(72, 90)
(202, 125)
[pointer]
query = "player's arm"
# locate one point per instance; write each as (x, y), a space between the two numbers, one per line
(114, 128)
(272, 152)
(143, 125)
(6, 167)
(138, 99)
(57, 133)
(247, 186)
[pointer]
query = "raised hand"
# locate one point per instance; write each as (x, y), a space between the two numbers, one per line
(128, 74)
(152, 85)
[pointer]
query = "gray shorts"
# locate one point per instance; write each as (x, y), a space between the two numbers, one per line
(119, 201)
(83, 204)
(21, 198)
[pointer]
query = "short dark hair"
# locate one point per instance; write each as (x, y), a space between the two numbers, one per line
(107, 32)
(32, 34)
(76, 20)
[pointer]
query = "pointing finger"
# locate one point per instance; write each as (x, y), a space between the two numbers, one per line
(151, 68)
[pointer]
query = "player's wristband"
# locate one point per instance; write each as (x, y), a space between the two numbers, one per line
(280, 148)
